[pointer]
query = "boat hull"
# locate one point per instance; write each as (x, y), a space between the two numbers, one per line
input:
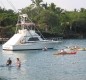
(32, 46)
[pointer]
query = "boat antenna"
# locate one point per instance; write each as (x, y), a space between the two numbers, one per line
(12, 5)
(40, 33)
(19, 12)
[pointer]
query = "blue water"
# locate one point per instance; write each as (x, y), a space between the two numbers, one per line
(43, 65)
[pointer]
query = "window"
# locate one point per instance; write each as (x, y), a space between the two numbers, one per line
(33, 39)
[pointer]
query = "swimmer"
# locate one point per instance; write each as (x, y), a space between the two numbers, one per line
(9, 62)
(18, 62)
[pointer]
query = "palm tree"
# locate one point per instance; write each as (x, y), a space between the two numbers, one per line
(36, 3)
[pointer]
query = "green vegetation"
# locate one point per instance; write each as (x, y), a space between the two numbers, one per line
(49, 18)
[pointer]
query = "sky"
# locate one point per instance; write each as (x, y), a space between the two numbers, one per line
(64, 4)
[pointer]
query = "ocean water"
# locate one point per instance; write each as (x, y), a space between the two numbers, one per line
(43, 65)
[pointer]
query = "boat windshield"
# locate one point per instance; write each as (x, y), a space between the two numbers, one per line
(33, 39)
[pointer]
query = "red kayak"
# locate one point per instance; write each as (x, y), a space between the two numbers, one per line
(64, 53)
(72, 52)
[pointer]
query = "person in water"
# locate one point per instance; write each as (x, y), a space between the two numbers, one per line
(9, 62)
(18, 62)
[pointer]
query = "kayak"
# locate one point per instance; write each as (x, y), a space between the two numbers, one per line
(64, 53)
(72, 52)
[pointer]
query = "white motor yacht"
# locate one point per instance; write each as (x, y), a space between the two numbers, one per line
(26, 37)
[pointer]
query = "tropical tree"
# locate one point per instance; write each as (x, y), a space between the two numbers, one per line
(47, 20)
(36, 3)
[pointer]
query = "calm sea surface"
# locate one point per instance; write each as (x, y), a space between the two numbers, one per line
(43, 65)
